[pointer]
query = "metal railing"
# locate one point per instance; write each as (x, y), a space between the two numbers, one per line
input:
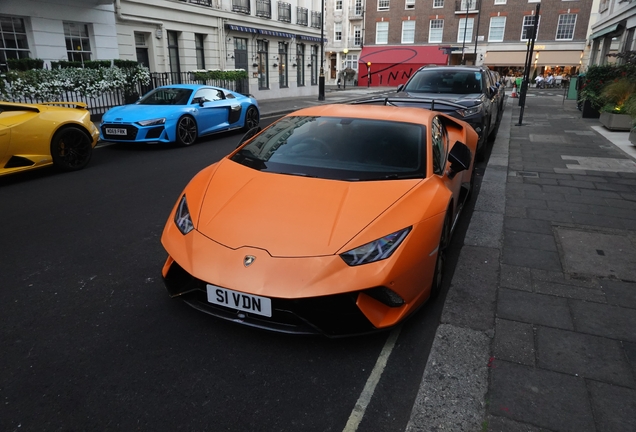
(99, 105)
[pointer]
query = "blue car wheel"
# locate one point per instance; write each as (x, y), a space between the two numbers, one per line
(251, 118)
(186, 131)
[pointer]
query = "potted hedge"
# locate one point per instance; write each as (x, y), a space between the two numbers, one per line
(615, 95)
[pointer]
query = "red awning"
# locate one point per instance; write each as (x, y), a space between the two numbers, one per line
(422, 55)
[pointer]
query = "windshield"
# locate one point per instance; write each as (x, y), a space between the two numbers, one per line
(339, 149)
(167, 96)
(445, 81)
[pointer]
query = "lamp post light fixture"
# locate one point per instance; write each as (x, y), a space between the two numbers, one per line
(321, 78)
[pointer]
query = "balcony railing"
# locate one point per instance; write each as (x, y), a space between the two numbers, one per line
(316, 19)
(354, 41)
(264, 8)
(355, 12)
(209, 3)
(466, 5)
(242, 6)
(284, 12)
(302, 15)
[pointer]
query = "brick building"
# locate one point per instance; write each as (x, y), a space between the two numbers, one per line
(482, 32)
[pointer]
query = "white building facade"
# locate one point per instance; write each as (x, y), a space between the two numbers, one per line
(344, 30)
(613, 30)
(277, 43)
(57, 30)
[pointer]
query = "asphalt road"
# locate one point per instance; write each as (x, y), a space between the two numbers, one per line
(91, 341)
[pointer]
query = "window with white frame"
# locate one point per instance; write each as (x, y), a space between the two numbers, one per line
(337, 29)
(382, 33)
(500, 2)
(468, 5)
(13, 39)
(408, 31)
(338, 4)
(409, 4)
(497, 27)
(383, 4)
(465, 30)
(436, 31)
(351, 61)
(78, 44)
(528, 24)
(565, 27)
(438, 3)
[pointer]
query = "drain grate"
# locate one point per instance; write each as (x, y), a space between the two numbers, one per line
(530, 174)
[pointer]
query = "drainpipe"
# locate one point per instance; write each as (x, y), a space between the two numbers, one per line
(159, 24)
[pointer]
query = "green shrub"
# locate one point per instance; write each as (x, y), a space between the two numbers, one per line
(25, 64)
(230, 75)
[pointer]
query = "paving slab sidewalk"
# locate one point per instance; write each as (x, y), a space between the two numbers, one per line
(538, 332)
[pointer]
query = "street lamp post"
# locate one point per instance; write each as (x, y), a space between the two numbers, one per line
(321, 78)
(345, 51)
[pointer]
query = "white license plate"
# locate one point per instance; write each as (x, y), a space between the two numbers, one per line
(116, 131)
(238, 300)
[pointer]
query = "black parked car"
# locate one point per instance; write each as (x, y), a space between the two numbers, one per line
(469, 93)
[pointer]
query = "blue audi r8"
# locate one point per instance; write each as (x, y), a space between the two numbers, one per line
(179, 113)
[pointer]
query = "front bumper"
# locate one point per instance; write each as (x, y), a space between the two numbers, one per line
(331, 315)
(134, 133)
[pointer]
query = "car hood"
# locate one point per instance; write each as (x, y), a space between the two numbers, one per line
(135, 112)
(462, 99)
(291, 216)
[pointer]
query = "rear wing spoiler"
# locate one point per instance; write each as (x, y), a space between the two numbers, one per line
(78, 105)
(397, 101)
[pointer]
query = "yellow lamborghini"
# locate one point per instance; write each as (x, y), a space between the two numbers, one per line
(37, 135)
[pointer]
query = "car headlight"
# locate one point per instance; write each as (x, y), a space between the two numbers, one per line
(182, 217)
(377, 250)
(152, 122)
(467, 112)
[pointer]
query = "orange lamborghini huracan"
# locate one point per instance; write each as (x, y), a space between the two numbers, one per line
(333, 220)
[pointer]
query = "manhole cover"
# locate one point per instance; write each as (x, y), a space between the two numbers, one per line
(598, 253)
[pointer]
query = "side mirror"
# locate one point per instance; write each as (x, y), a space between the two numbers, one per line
(249, 134)
(460, 158)
(400, 88)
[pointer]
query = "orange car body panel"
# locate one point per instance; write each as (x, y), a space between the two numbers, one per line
(298, 233)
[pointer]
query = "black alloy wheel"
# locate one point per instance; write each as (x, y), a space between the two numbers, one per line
(186, 131)
(71, 148)
(438, 275)
(251, 118)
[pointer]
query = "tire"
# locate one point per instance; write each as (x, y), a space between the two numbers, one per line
(186, 131)
(480, 154)
(493, 134)
(471, 188)
(251, 118)
(71, 148)
(438, 274)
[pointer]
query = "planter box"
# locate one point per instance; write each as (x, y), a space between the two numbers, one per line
(616, 122)
(588, 111)
(632, 136)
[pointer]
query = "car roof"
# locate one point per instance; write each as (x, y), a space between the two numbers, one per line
(455, 67)
(187, 86)
(371, 112)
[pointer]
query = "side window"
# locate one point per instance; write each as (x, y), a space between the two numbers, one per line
(439, 142)
(209, 94)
